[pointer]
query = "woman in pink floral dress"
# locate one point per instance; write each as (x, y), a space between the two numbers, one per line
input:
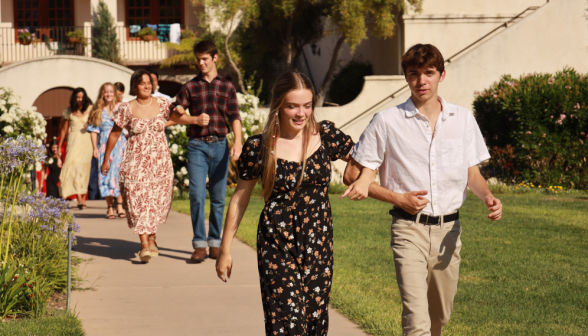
(146, 173)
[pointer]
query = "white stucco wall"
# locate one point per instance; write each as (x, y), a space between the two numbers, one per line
(551, 38)
(31, 78)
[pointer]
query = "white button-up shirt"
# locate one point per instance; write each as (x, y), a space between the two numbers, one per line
(400, 143)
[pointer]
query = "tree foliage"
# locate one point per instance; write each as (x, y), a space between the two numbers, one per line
(105, 44)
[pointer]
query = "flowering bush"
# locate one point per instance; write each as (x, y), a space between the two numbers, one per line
(178, 148)
(536, 127)
(16, 120)
(34, 232)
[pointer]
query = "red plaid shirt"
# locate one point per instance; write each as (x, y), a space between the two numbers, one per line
(218, 99)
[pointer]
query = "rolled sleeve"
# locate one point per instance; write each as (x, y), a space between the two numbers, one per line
(370, 150)
(93, 129)
(233, 106)
(477, 151)
(182, 98)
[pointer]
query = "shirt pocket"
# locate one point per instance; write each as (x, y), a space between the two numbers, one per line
(222, 99)
(452, 153)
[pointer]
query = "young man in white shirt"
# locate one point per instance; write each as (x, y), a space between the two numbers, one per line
(427, 152)
(155, 80)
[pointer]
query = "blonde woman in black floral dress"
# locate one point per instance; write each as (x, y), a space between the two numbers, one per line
(295, 232)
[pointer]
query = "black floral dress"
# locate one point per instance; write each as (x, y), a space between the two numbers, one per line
(295, 237)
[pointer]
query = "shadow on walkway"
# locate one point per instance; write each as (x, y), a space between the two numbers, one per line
(119, 249)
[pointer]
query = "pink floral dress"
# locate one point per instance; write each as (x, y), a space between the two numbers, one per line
(146, 173)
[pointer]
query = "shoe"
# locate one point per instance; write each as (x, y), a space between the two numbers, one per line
(145, 253)
(122, 214)
(198, 255)
(109, 216)
(154, 249)
(213, 252)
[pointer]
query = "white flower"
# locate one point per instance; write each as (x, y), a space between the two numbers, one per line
(38, 166)
(186, 182)
(50, 161)
(317, 289)
(8, 129)
(176, 189)
(184, 171)
(179, 174)
(181, 158)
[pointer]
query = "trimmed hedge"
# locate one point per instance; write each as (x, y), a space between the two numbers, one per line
(536, 127)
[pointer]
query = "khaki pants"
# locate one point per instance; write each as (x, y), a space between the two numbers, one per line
(426, 258)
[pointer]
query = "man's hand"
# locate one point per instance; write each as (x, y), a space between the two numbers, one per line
(236, 151)
(413, 202)
(494, 206)
(202, 120)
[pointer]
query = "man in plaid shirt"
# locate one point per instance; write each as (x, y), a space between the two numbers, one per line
(212, 99)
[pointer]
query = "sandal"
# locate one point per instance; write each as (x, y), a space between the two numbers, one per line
(154, 250)
(81, 206)
(120, 214)
(110, 216)
(145, 253)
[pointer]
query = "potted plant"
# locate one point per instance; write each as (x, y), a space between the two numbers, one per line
(77, 36)
(187, 33)
(25, 37)
(147, 34)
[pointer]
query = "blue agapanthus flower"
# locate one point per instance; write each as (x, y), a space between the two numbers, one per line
(18, 153)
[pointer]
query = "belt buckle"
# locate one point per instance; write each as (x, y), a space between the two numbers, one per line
(208, 139)
(427, 221)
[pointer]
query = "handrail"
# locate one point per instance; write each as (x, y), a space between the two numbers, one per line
(448, 60)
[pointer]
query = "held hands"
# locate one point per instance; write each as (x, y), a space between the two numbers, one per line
(202, 120)
(224, 266)
(413, 201)
(494, 206)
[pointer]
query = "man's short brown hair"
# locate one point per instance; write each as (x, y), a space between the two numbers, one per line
(423, 56)
(206, 47)
(136, 79)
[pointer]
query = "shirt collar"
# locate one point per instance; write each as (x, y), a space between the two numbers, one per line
(201, 78)
(410, 109)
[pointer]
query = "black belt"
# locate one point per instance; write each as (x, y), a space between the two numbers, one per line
(425, 219)
(210, 138)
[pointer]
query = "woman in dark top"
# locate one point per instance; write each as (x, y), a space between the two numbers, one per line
(52, 170)
(295, 231)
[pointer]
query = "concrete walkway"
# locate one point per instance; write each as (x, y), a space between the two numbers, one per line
(169, 295)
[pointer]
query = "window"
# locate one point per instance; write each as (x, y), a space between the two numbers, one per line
(43, 13)
(142, 12)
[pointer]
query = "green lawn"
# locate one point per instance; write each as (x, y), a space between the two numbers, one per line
(58, 325)
(524, 275)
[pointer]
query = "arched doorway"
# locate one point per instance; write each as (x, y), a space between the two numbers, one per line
(51, 104)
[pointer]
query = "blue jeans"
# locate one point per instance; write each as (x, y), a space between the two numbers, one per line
(93, 191)
(210, 159)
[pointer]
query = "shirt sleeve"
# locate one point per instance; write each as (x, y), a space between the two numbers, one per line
(371, 147)
(183, 98)
(122, 116)
(338, 143)
(233, 105)
(93, 129)
(476, 148)
(250, 167)
(165, 106)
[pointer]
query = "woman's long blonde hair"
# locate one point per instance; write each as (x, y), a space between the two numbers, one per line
(286, 83)
(95, 117)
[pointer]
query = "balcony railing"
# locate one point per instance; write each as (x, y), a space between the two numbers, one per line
(44, 41)
(49, 41)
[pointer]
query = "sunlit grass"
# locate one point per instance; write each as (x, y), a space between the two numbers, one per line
(524, 275)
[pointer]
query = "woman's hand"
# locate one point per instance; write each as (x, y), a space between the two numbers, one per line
(96, 153)
(59, 162)
(358, 190)
(105, 167)
(180, 109)
(224, 265)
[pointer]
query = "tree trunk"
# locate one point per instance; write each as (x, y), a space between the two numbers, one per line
(288, 42)
(320, 98)
(231, 62)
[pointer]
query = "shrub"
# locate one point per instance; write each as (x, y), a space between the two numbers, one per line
(536, 128)
(348, 82)
(105, 41)
(77, 36)
(187, 34)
